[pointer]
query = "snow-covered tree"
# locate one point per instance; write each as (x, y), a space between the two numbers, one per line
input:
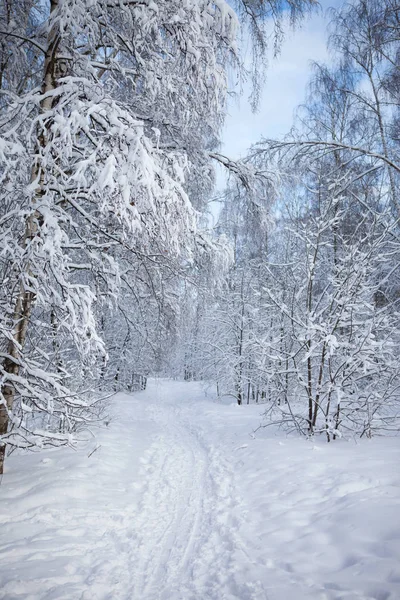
(318, 326)
(109, 113)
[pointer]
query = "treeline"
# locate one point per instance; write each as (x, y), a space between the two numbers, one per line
(308, 319)
(110, 113)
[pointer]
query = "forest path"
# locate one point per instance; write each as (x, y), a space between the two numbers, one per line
(187, 527)
(152, 514)
(180, 502)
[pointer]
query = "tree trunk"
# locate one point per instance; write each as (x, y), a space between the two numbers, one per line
(26, 297)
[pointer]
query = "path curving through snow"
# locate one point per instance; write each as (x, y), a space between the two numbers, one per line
(179, 502)
(151, 515)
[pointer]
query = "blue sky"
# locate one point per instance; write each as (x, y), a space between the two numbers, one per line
(284, 88)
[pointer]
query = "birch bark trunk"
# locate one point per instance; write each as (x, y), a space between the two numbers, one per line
(26, 297)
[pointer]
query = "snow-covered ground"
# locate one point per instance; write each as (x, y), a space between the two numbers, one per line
(179, 502)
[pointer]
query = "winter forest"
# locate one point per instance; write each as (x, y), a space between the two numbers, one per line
(153, 285)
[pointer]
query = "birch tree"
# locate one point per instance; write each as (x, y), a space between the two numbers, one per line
(106, 108)
(324, 338)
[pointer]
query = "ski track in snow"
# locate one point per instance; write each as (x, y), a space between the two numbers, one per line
(188, 511)
(179, 503)
(176, 540)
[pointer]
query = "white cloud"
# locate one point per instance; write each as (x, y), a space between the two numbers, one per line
(284, 89)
